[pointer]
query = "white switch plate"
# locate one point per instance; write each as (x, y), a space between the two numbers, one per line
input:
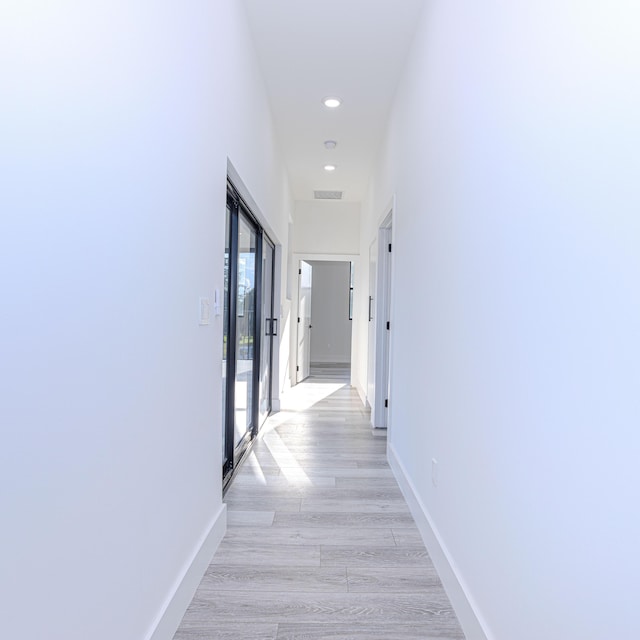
(204, 311)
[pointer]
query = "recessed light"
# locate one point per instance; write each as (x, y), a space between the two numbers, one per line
(332, 102)
(329, 167)
(330, 144)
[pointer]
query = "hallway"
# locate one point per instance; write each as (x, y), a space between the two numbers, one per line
(320, 543)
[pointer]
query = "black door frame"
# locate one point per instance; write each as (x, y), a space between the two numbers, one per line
(234, 454)
(272, 331)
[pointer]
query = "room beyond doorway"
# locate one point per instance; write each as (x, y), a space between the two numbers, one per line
(331, 323)
(323, 298)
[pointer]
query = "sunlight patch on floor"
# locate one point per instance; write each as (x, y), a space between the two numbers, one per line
(304, 396)
(253, 463)
(289, 466)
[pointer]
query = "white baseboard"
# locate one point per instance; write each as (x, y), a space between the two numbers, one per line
(168, 621)
(472, 622)
(362, 394)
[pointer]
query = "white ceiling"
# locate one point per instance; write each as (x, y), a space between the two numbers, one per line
(310, 49)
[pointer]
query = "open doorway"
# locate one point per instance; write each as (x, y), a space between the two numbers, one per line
(325, 308)
(303, 340)
(330, 316)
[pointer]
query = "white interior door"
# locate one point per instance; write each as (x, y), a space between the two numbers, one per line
(371, 359)
(305, 278)
(381, 329)
(385, 290)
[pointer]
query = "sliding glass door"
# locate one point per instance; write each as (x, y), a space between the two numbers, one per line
(248, 332)
(227, 452)
(245, 338)
(269, 328)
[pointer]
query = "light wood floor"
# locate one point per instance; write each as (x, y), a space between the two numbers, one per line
(320, 542)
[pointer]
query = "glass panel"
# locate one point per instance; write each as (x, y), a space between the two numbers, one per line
(267, 330)
(225, 335)
(245, 328)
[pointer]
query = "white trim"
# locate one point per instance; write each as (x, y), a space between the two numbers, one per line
(467, 610)
(324, 257)
(180, 596)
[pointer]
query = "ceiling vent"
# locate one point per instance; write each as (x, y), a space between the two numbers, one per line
(328, 195)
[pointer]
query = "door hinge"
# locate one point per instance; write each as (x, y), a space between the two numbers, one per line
(297, 368)
(298, 320)
(299, 272)
(386, 403)
(389, 247)
(388, 326)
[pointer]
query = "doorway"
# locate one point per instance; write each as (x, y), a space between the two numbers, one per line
(303, 341)
(325, 303)
(332, 313)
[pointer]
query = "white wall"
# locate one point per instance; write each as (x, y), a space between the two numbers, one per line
(513, 153)
(331, 333)
(327, 227)
(116, 127)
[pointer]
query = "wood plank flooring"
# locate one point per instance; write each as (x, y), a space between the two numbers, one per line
(320, 542)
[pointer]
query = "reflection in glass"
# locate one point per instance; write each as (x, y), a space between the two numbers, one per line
(245, 328)
(268, 329)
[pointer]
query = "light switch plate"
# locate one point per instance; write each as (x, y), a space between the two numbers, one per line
(205, 311)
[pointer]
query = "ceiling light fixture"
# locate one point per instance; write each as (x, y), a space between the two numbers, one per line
(332, 102)
(330, 144)
(329, 167)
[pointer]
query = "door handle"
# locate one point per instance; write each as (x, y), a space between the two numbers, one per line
(268, 327)
(370, 304)
(274, 326)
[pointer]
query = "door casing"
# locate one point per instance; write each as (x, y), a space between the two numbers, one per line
(381, 352)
